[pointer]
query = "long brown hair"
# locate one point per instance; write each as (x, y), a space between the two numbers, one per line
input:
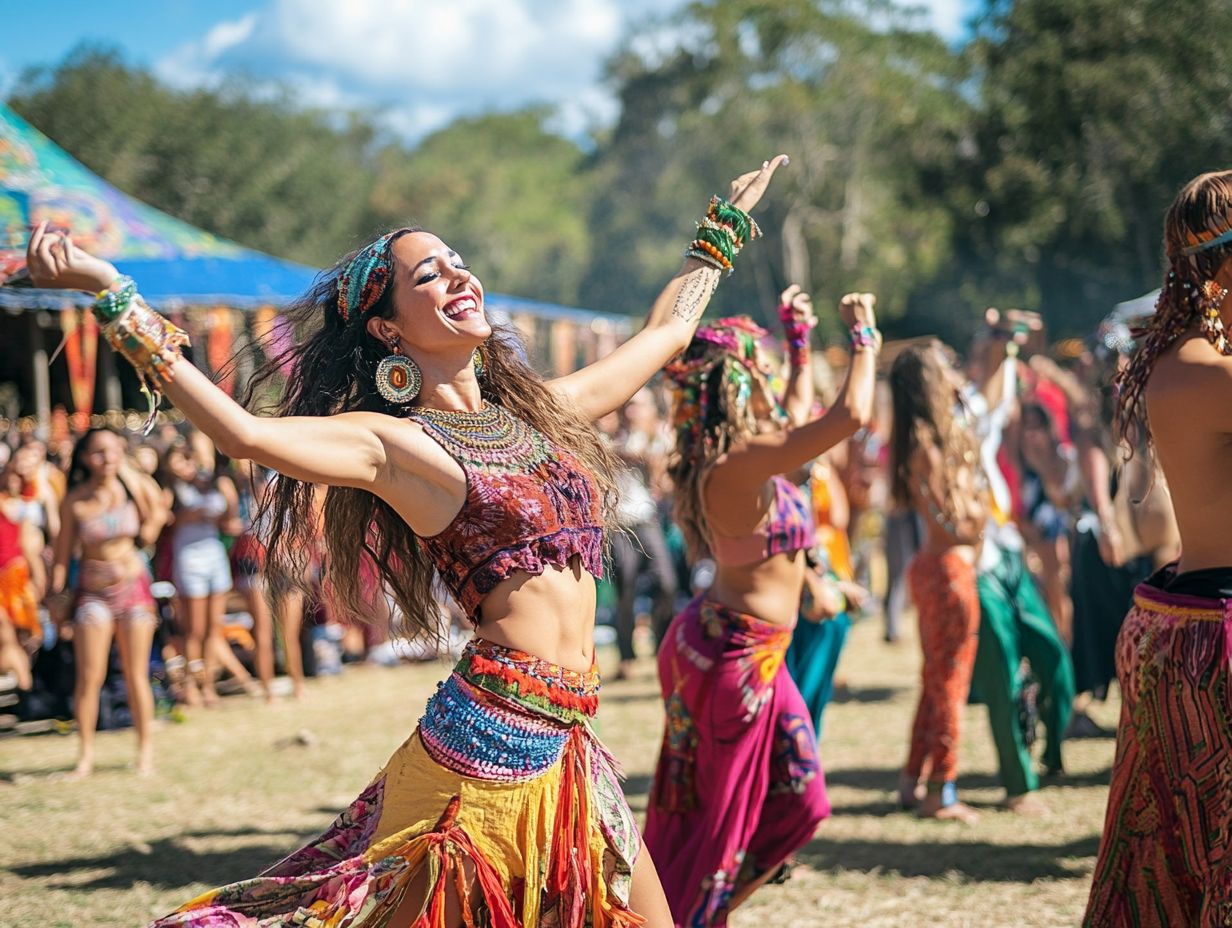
(923, 401)
(331, 369)
(1202, 210)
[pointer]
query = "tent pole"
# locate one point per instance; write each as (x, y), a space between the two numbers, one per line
(39, 371)
(112, 396)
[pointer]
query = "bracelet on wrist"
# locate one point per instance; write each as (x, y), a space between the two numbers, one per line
(722, 234)
(149, 342)
(864, 336)
(796, 332)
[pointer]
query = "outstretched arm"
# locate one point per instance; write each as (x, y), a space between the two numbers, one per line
(607, 384)
(350, 449)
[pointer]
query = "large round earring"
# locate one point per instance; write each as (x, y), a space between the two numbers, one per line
(479, 364)
(398, 379)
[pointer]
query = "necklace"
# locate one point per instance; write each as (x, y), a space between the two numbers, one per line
(490, 438)
(1211, 322)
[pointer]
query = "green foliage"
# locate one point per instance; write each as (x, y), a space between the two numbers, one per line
(1030, 168)
(258, 170)
(505, 193)
(1093, 114)
(868, 115)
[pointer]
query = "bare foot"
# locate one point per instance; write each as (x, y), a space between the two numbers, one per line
(145, 761)
(84, 768)
(954, 812)
(1025, 804)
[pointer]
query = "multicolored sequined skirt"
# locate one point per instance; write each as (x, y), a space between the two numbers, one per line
(503, 774)
(1165, 858)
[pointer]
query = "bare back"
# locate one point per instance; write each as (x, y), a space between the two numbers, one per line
(1191, 424)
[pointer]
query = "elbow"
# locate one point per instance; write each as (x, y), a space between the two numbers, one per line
(859, 415)
(240, 443)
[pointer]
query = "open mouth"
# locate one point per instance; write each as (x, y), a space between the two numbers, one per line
(461, 308)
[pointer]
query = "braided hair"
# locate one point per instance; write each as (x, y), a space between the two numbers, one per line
(1197, 242)
(713, 380)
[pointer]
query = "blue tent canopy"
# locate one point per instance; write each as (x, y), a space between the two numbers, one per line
(173, 262)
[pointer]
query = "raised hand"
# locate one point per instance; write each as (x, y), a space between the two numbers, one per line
(857, 309)
(796, 307)
(54, 262)
(748, 189)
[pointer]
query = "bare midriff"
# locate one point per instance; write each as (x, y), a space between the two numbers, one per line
(769, 589)
(550, 615)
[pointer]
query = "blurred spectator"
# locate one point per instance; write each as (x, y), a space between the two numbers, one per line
(110, 509)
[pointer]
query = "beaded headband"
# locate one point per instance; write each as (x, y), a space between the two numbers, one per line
(363, 281)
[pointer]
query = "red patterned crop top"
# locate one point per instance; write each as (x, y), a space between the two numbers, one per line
(529, 504)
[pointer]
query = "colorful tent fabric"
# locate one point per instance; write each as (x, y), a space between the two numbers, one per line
(173, 261)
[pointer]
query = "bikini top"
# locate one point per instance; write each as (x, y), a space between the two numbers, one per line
(529, 504)
(787, 527)
(122, 521)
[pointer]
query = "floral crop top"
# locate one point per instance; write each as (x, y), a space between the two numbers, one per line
(529, 504)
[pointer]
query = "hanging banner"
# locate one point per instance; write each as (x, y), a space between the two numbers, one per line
(81, 355)
(220, 347)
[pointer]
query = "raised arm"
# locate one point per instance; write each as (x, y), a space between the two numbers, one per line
(763, 456)
(608, 383)
(796, 314)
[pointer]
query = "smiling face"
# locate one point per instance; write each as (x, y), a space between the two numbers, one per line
(438, 302)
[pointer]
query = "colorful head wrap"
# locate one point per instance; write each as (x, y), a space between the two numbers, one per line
(363, 281)
(730, 344)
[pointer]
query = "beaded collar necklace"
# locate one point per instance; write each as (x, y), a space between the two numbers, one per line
(490, 439)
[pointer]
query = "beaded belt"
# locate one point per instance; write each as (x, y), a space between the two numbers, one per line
(504, 715)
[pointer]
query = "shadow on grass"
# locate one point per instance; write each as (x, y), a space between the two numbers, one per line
(869, 694)
(885, 779)
(976, 860)
(168, 863)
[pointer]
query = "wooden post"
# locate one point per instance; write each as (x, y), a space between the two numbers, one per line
(39, 373)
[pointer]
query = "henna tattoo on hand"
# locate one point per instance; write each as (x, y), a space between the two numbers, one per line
(695, 292)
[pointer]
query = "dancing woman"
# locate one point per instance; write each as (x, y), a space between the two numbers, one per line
(739, 786)
(444, 451)
(935, 469)
(1163, 859)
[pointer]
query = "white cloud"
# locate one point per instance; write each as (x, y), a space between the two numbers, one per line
(948, 17)
(420, 63)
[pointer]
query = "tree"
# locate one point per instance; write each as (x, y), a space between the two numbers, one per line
(260, 171)
(871, 116)
(1093, 113)
(502, 191)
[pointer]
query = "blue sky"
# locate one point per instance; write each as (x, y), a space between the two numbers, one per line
(417, 63)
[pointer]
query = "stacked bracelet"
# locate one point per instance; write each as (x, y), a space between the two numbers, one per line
(721, 235)
(864, 336)
(797, 335)
(148, 341)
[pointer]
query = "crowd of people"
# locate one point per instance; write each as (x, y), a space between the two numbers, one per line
(985, 486)
(133, 581)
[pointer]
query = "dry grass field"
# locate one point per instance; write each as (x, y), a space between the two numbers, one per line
(238, 787)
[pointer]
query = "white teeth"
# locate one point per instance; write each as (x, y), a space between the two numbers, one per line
(460, 307)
